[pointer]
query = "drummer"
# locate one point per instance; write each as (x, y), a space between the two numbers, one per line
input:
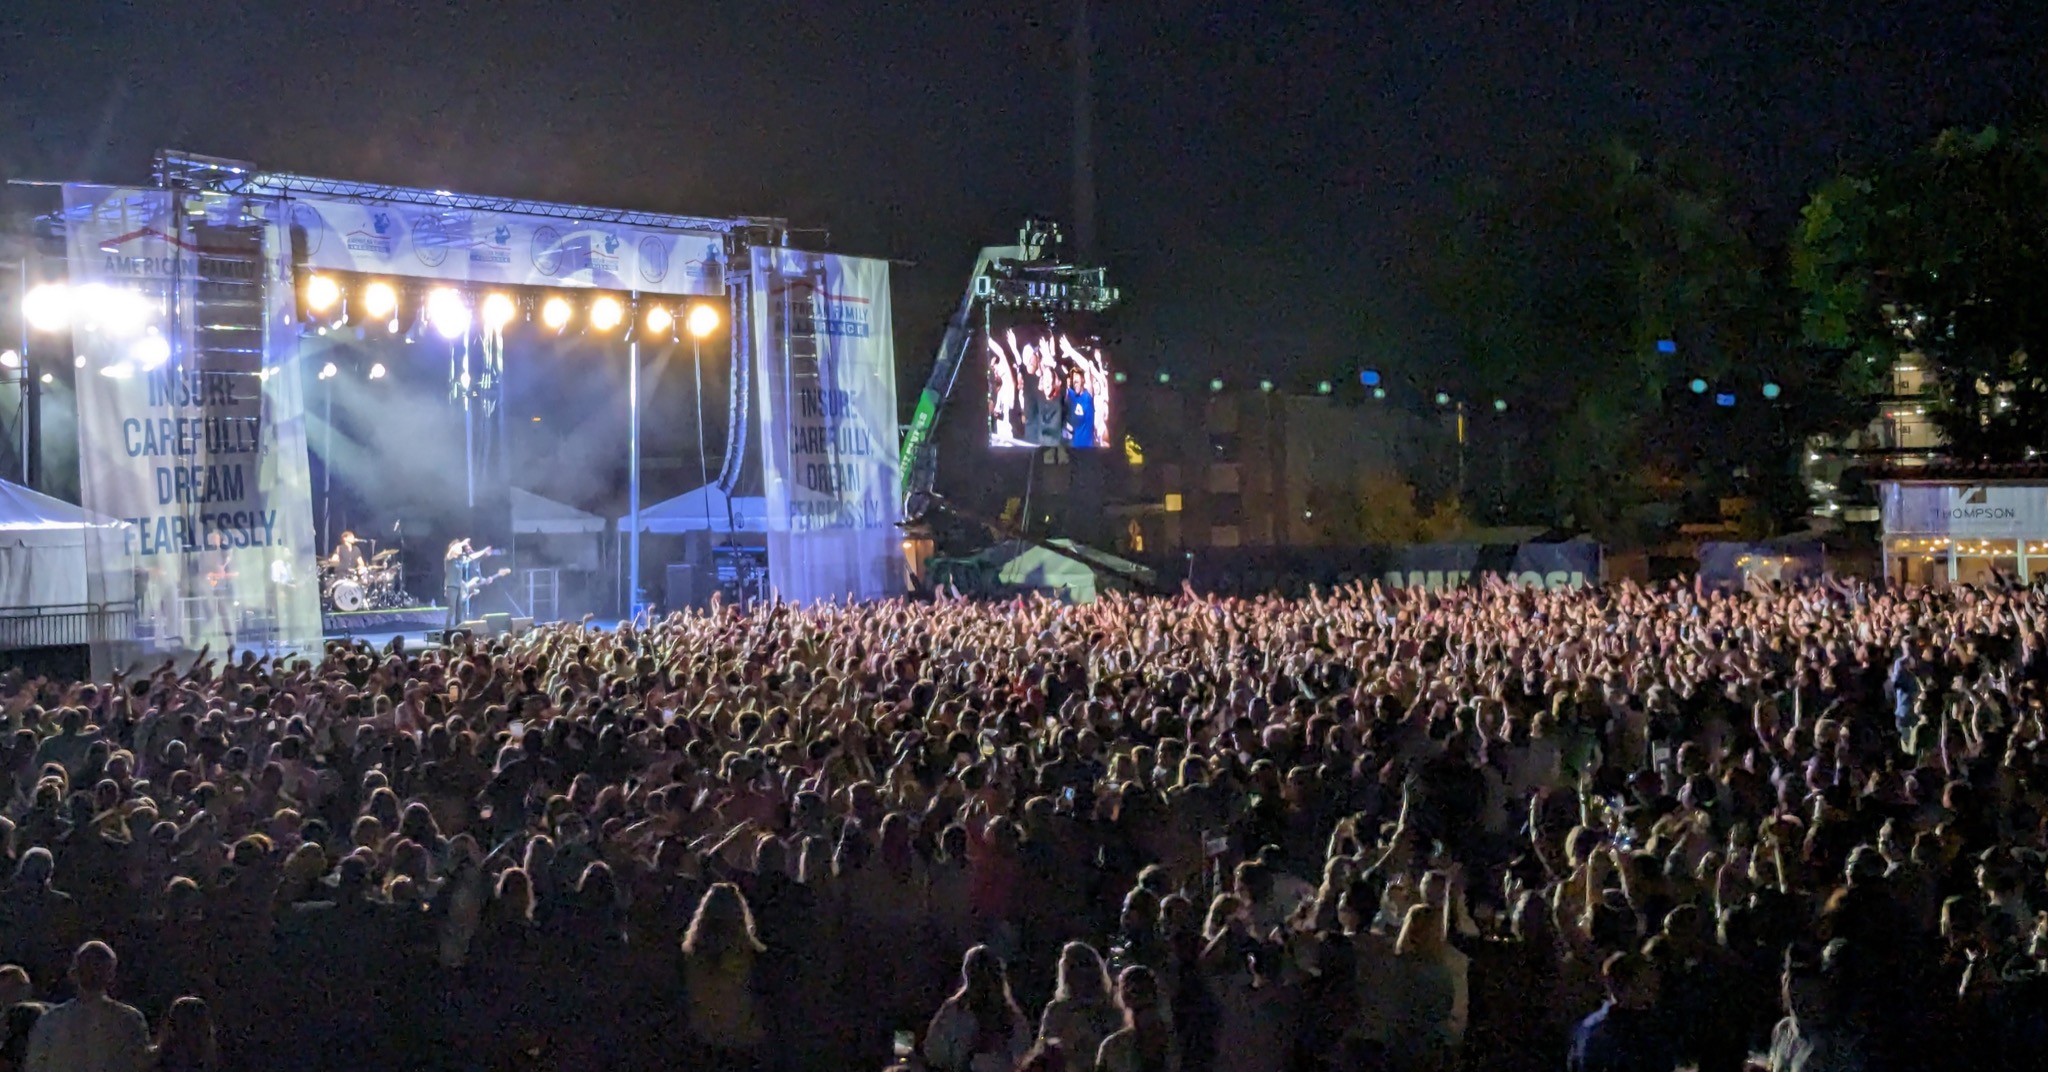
(348, 556)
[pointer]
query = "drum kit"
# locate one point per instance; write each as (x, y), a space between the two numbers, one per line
(377, 584)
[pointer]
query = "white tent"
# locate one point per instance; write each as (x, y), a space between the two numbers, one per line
(700, 510)
(535, 514)
(43, 553)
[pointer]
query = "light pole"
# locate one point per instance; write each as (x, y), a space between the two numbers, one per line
(702, 321)
(633, 468)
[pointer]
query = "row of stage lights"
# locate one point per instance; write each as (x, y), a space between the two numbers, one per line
(118, 313)
(449, 313)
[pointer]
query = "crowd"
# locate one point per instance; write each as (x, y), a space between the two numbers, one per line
(1625, 828)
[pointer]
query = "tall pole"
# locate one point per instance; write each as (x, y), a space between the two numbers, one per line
(633, 465)
(21, 414)
(327, 477)
(1084, 136)
(703, 465)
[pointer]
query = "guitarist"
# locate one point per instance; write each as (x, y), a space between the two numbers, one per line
(461, 579)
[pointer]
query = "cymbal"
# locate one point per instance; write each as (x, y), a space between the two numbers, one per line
(383, 555)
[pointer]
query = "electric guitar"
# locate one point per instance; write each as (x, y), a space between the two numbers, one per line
(471, 587)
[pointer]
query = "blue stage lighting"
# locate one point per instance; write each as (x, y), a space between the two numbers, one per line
(1369, 377)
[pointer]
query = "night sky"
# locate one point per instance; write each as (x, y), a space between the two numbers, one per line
(1267, 169)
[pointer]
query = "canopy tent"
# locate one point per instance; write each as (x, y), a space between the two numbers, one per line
(700, 510)
(536, 514)
(1065, 570)
(43, 543)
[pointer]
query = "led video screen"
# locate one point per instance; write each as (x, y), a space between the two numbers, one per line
(1047, 387)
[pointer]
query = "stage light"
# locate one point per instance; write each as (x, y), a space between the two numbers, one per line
(1724, 400)
(150, 351)
(1165, 377)
(1121, 376)
(1667, 346)
(78, 361)
(1325, 387)
(322, 293)
(328, 371)
(47, 307)
(1500, 405)
(1379, 393)
(703, 320)
(606, 313)
(447, 313)
(120, 371)
(380, 300)
(1699, 387)
(1443, 399)
(1772, 390)
(555, 313)
(118, 310)
(1215, 385)
(1369, 377)
(393, 327)
(377, 371)
(498, 311)
(47, 378)
(9, 359)
(1266, 386)
(659, 321)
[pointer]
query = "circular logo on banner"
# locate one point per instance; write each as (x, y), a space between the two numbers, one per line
(306, 220)
(547, 250)
(653, 259)
(430, 240)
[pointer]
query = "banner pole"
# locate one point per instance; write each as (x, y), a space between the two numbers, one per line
(633, 464)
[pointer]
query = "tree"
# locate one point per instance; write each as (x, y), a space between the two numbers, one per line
(1940, 255)
(1591, 291)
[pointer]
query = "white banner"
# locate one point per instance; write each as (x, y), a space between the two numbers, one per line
(469, 246)
(1967, 510)
(190, 423)
(827, 364)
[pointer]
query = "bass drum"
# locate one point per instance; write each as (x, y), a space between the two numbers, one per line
(349, 596)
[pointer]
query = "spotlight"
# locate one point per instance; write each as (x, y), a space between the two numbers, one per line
(48, 307)
(555, 313)
(703, 321)
(1443, 399)
(9, 359)
(393, 326)
(1699, 387)
(377, 371)
(659, 321)
(1667, 346)
(47, 378)
(1166, 377)
(1369, 377)
(119, 371)
(380, 300)
(1266, 386)
(447, 313)
(1772, 390)
(150, 351)
(606, 313)
(498, 311)
(118, 310)
(78, 361)
(1500, 405)
(321, 293)
(328, 371)
(1215, 385)
(1724, 400)
(1325, 387)
(1379, 393)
